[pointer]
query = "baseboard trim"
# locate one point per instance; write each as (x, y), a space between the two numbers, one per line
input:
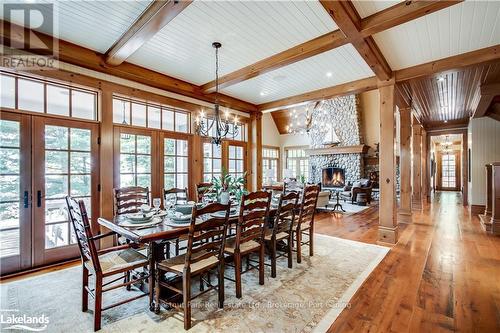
(477, 209)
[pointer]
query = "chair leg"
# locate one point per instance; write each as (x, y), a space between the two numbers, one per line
(299, 245)
(262, 257)
(127, 279)
(273, 257)
(311, 242)
(85, 294)
(186, 286)
(177, 247)
(221, 284)
(290, 250)
(202, 285)
(157, 290)
(237, 273)
(98, 303)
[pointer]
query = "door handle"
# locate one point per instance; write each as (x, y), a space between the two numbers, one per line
(26, 199)
(39, 198)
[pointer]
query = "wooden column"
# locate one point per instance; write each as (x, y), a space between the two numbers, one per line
(485, 218)
(416, 165)
(255, 156)
(388, 225)
(495, 198)
(424, 167)
(405, 164)
(465, 168)
(106, 159)
(196, 167)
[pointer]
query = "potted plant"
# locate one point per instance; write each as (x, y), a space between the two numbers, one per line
(227, 185)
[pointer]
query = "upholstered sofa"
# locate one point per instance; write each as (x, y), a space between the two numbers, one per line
(351, 191)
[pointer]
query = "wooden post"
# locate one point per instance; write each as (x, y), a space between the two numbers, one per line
(485, 218)
(256, 152)
(388, 225)
(424, 168)
(196, 166)
(495, 198)
(417, 165)
(106, 159)
(405, 164)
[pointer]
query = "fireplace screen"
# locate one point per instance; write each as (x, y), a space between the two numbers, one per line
(333, 177)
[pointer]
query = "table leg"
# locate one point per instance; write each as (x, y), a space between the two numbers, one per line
(152, 272)
(337, 204)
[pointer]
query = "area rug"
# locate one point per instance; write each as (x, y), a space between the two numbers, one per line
(349, 208)
(306, 298)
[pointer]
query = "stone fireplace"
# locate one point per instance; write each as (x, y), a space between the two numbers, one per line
(343, 114)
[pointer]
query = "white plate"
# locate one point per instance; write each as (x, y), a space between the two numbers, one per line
(171, 223)
(129, 224)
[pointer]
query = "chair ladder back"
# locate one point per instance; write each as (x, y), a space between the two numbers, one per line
(207, 238)
(203, 189)
(181, 194)
(129, 199)
(285, 214)
(254, 210)
(77, 214)
(308, 205)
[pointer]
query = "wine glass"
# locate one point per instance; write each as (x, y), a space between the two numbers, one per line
(157, 203)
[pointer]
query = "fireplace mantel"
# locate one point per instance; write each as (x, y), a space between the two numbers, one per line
(359, 149)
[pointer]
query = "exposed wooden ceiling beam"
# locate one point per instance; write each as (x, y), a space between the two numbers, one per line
(488, 92)
(348, 20)
(302, 51)
(398, 14)
(158, 14)
(354, 87)
(83, 57)
(452, 63)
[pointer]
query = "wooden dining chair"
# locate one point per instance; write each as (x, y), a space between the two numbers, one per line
(282, 229)
(254, 210)
(305, 224)
(203, 189)
(129, 199)
(181, 194)
(104, 264)
(206, 239)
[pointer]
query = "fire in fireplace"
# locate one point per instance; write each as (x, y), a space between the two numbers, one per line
(333, 177)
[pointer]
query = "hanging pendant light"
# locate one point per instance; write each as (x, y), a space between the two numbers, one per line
(217, 127)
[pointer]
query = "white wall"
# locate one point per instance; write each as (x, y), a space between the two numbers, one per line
(485, 140)
(270, 134)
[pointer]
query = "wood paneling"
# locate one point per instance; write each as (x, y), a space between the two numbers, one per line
(86, 58)
(348, 20)
(153, 19)
(452, 96)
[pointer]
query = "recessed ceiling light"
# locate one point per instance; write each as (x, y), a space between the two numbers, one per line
(262, 93)
(445, 121)
(329, 74)
(440, 79)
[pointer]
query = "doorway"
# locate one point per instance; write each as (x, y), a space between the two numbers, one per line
(446, 162)
(43, 159)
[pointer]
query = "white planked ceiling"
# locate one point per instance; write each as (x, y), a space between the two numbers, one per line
(343, 63)
(367, 8)
(461, 28)
(248, 30)
(96, 25)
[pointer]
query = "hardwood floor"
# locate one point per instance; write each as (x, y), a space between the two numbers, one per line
(442, 276)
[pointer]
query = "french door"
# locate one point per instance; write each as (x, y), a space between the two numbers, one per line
(45, 160)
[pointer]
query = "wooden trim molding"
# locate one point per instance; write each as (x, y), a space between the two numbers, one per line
(477, 209)
(360, 149)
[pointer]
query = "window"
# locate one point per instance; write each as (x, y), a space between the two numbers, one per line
(175, 166)
(236, 161)
(212, 161)
(144, 114)
(45, 97)
(297, 162)
(135, 160)
(448, 179)
(270, 164)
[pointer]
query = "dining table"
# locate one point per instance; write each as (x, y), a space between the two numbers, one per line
(154, 238)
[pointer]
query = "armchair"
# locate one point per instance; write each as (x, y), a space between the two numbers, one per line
(350, 192)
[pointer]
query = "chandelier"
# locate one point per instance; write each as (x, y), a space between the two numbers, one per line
(316, 122)
(217, 127)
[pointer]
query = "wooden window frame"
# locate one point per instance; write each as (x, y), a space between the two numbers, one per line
(278, 163)
(296, 159)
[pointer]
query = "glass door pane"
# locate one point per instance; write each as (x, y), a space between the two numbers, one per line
(64, 159)
(15, 210)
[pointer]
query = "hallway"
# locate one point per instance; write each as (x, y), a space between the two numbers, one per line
(442, 275)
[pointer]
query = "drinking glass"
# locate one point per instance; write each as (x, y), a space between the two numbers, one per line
(157, 203)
